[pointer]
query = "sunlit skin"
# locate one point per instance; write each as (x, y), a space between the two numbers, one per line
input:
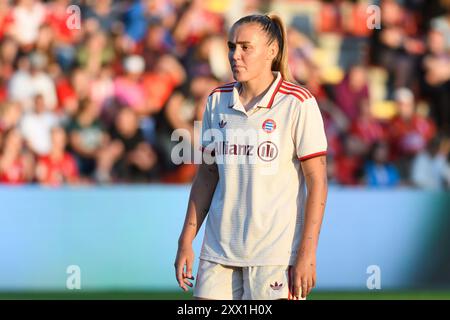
(250, 56)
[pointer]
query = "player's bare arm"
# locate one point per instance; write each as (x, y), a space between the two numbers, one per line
(304, 271)
(200, 198)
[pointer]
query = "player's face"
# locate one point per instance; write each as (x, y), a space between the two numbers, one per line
(248, 52)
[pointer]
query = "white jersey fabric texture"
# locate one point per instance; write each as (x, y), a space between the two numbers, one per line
(257, 210)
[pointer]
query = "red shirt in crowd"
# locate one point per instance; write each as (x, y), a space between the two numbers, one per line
(15, 174)
(347, 169)
(410, 137)
(58, 18)
(6, 20)
(64, 91)
(368, 130)
(55, 172)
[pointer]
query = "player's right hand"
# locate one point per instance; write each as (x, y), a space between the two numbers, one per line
(183, 266)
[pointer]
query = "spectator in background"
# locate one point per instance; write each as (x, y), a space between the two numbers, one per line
(27, 17)
(397, 46)
(10, 115)
(31, 80)
(301, 53)
(136, 21)
(104, 14)
(64, 37)
(144, 13)
(91, 144)
(80, 84)
(198, 61)
(16, 164)
(58, 167)
(365, 127)
(348, 165)
(157, 42)
(437, 79)
(329, 17)
(160, 82)
(67, 98)
(128, 89)
(354, 19)
(137, 160)
(181, 111)
(97, 51)
(44, 42)
(102, 88)
(409, 132)
(8, 53)
(41, 82)
(6, 18)
(19, 87)
(352, 92)
(57, 17)
(430, 168)
(196, 22)
(441, 23)
(36, 127)
(86, 138)
(378, 171)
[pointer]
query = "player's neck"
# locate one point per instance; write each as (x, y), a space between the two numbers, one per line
(256, 87)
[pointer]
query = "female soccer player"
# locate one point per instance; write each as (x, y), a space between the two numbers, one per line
(267, 140)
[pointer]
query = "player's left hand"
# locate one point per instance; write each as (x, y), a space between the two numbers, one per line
(304, 275)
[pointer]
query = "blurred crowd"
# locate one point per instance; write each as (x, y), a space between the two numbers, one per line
(94, 98)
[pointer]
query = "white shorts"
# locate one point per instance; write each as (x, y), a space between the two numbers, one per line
(220, 282)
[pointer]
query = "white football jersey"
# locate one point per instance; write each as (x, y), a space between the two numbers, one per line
(257, 210)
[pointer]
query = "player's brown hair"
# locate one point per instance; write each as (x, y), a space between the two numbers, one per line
(275, 29)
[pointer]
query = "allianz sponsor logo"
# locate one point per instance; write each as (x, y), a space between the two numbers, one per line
(225, 148)
(267, 150)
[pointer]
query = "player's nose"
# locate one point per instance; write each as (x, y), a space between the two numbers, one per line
(235, 56)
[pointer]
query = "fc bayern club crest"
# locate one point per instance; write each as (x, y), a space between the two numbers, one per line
(269, 125)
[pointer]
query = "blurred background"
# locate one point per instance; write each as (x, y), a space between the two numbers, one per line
(91, 92)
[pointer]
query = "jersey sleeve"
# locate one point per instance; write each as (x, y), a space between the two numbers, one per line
(206, 137)
(308, 131)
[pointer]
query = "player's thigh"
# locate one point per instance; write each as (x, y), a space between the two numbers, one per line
(218, 282)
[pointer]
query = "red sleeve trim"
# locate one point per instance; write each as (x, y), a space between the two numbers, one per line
(313, 155)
